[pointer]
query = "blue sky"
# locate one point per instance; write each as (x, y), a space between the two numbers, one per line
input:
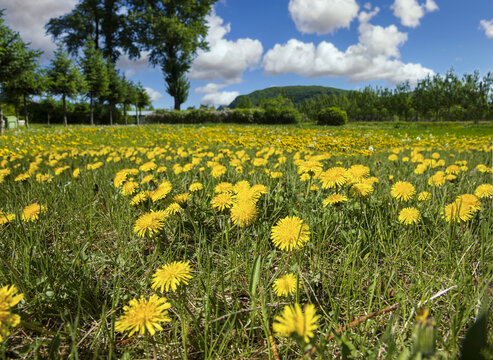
(348, 44)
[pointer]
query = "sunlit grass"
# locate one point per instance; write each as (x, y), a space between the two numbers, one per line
(82, 260)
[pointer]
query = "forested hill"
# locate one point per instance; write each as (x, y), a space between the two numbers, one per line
(297, 94)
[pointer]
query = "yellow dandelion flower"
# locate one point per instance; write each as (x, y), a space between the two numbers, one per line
(424, 195)
(195, 187)
(435, 155)
(171, 275)
(452, 169)
(334, 199)
(76, 173)
(358, 172)
(161, 169)
(43, 178)
(144, 315)
(457, 212)
(403, 190)
(218, 171)
(285, 285)
(223, 187)
(32, 212)
(94, 166)
(22, 177)
(148, 224)
(275, 174)
(148, 166)
(8, 300)
(162, 191)
(290, 233)
(129, 188)
(6, 218)
(361, 190)
(147, 179)
(222, 201)
(436, 180)
(484, 191)
(181, 198)
(333, 177)
(173, 209)
(393, 157)
(409, 216)
(140, 198)
(259, 162)
(293, 322)
(469, 200)
(243, 213)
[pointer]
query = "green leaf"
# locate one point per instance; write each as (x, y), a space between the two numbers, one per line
(255, 276)
(476, 337)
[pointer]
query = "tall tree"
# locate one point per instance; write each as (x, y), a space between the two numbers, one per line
(102, 20)
(116, 88)
(130, 94)
(65, 79)
(172, 31)
(95, 74)
(12, 49)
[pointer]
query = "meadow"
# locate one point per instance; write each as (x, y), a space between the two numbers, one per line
(246, 242)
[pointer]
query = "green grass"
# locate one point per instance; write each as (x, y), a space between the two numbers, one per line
(81, 262)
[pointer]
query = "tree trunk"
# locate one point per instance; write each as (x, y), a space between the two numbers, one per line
(48, 115)
(111, 114)
(125, 113)
(137, 114)
(64, 110)
(92, 110)
(1, 119)
(26, 118)
(177, 104)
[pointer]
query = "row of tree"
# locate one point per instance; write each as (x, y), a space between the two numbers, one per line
(97, 33)
(438, 97)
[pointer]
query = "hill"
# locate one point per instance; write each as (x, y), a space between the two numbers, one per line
(297, 94)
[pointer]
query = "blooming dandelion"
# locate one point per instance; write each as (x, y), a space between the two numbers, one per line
(361, 190)
(484, 191)
(334, 177)
(171, 275)
(144, 315)
(173, 209)
(6, 218)
(285, 285)
(222, 201)
(334, 199)
(243, 213)
(290, 233)
(129, 188)
(162, 191)
(148, 224)
(402, 190)
(32, 212)
(294, 322)
(409, 216)
(195, 187)
(8, 300)
(424, 196)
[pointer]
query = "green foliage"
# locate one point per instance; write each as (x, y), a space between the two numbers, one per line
(239, 116)
(332, 116)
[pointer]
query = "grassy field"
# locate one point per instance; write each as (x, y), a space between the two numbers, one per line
(399, 263)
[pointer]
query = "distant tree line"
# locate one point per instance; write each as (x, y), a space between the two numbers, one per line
(434, 98)
(91, 38)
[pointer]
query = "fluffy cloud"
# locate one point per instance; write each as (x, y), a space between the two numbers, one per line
(410, 12)
(226, 60)
(153, 94)
(374, 57)
(487, 27)
(322, 16)
(219, 98)
(29, 17)
(130, 67)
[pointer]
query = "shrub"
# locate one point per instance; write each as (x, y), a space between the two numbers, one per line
(332, 116)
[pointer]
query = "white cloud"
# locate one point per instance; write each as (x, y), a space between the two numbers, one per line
(374, 57)
(29, 17)
(487, 26)
(410, 12)
(130, 67)
(219, 98)
(209, 88)
(225, 59)
(153, 94)
(322, 16)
